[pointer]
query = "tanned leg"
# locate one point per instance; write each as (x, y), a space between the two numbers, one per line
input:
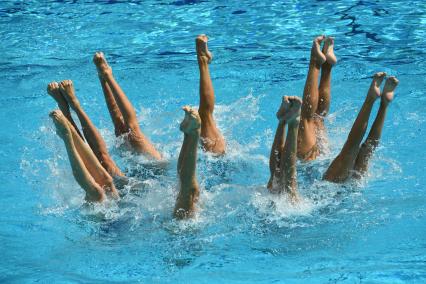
(120, 127)
(306, 141)
(94, 191)
(343, 164)
(212, 140)
(139, 142)
(187, 163)
(283, 177)
(53, 91)
(373, 138)
(324, 90)
(92, 135)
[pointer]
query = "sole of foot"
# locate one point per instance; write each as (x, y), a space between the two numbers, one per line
(67, 90)
(374, 91)
(101, 64)
(202, 48)
(316, 52)
(290, 109)
(388, 90)
(60, 122)
(328, 50)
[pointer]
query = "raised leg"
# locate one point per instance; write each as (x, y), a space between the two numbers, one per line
(187, 163)
(94, 192)
(139, 142)
(343, 164)
(93, 137)
(373, 138)
(120, 127)
(306, 142)
(53, 91)
(212, 140)
(283, 175)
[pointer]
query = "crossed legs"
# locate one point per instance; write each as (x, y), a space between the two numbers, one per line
(316, 99)
(122, 113)
(211, 138)
(352, 158)
(282, 160)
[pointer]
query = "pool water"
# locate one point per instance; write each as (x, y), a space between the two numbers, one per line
(373, 231)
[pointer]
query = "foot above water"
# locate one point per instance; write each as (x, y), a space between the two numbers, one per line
(388, 90)
(289, 110)
(328, 50)
(316, 53)
(374, 90)
(203, 52)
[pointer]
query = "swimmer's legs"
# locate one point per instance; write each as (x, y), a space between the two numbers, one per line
(94, 191)
(284, 176)
(187, 163)
(372, 141)
(212, 140)
(343, 164)
(54, 92)
(324, 89)
(93, 137)
(137, 139)
(307, 136)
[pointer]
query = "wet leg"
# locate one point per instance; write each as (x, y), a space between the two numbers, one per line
(94, 191)
(306, 141)
(212, 140)
(343, 164)
(187, 163)
(139, 142)
(373, 138)
(54, 92)
(93, 137)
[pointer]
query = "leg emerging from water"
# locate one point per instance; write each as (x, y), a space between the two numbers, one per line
(324, 91)
(211, 138)
(139, 142)
(54, 92)
(373, 138)
(341, 167)
(283, 156)
(306, 141)
(87, 171)
(92, 135)
(187, 163)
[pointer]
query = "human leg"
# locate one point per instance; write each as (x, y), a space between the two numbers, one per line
(306, 142)
(212, 140)
(139, 142)
(373, 138)
(187, 163)
(94, 191)
(343, 164)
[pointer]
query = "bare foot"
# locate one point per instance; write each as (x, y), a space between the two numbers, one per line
(328, 50)
(61, 123)
(316, 53)
(101, 65)
(390, 85)
(192, 121)
(374, 91)
(203, 52)
(55, 93)
(289, 110)
(67, 90)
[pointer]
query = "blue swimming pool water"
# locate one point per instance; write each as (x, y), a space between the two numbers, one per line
(371, 232)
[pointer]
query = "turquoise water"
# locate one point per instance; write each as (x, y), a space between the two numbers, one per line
(370, 232)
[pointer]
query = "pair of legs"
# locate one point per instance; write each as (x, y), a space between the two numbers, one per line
(353, 158)
(316, 99)
(122, 113)
(211, 138)
(282, 160)
(92, 166)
